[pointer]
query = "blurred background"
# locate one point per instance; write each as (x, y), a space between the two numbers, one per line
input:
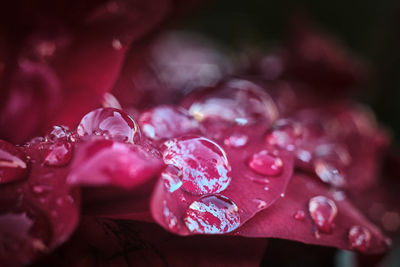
(368, 29)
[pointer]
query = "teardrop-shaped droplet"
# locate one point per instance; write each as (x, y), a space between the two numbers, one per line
(166, 122)
(323, 211)
(265, 163)
(359, 238)
(12, 166)
(110, 123)
(172, 178)
(58, 154)
(329, 173)
(204, 165)
(212, 214)
(285, 134)
(236, 140)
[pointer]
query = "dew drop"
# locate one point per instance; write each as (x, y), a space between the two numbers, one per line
(204, 165)
(300, 215)
(329, 173)
(110, 123)
(12, 166)
(359, 238)
(285, 134)
(58, 132)
(166, 122)
(212, 214)
(236, 140)
(266, 164)
(261, 204)
(170, 219)
(323, 211)
(58, 154)
(172, 178)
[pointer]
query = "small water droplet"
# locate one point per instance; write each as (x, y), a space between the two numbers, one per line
(172, 178)
(285, 134)
(261, 204)
(304, 155)
(266, 164)
(58, 132)
(12, 166)
(236, 140)
(359, 238)
(212, 214)
(116, 44)
(266, 188)
(58, 154)
(329, 173)
(170, 219)
(110, 123)
(203, 163)
(300, 215)
(282, 195)
(339, 195)
(323, 211)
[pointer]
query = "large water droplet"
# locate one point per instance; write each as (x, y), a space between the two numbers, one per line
(238, 101)
(110, 123)
(236, 140)
(329, 173)
(323, 211)
(166, 122)
(204, 165)
(266, 164)
(284, 134)
(359, 238)
(12, 166)
(212, 214)
(58, 154)
(172, 178)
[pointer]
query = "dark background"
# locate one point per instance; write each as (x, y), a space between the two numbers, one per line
(368, 29)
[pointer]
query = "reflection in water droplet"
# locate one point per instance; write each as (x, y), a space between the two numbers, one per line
(204, 165)
(329, 173)
(323, 211)
(359, 238)
(266, 164)
(110, 101)
(172, 178)
(170, 219)
(212, 214)
(110, 123)
(236, 140)
(58, 154)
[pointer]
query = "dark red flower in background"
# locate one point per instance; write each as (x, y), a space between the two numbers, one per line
(178, 135)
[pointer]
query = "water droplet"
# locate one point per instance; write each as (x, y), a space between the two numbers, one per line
(300, 215)
(323, 211)
(12, 166)
(58, 154)
(204, 165)
(285, 134)
(329, 173)
(304, 155)
(172, 178)
(59, 132)
(238, 101)
(170, 219)
(359, 238)
(236, 140)
(282, 195)
(110, 123)
(212, 214)
(266, 188)
(166, 122)
(261, 204)
(266, 164)
(116, 44)
(339, 195)
(110, 101)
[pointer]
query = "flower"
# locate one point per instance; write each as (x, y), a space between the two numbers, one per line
(174, 160)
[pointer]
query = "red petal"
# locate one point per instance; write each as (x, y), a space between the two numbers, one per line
(278, 221)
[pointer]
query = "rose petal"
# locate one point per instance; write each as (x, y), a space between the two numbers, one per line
(278, 221)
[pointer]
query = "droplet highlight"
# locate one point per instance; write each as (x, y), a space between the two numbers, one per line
(323, 212)
(265, 163)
